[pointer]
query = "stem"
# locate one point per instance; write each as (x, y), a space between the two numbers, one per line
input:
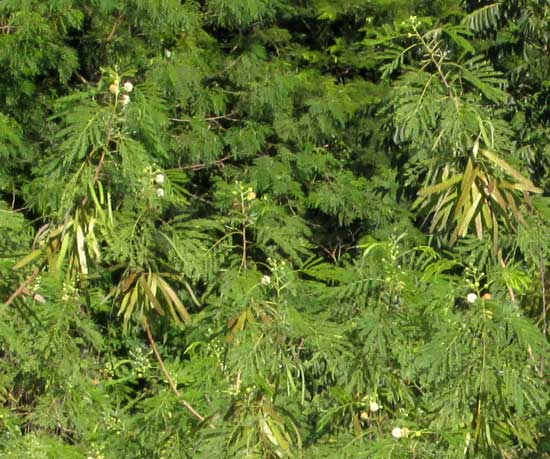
(544, 308)
(510, 291)
(113, 30)
(196, 167)
(437, 64)
(103, 150)
(244, 247)
(243, 262)
(210, 118)
(171, 381)
(21, 289)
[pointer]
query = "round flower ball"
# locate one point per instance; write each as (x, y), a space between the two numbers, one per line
(160, 193)
(128, 86)
(396, 432)
(471, 298)
(159, 179)
(125, 99)
(374, 407)
(400, 432)
(113, 88)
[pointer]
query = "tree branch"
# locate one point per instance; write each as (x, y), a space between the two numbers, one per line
(171, 381)
(22, 288)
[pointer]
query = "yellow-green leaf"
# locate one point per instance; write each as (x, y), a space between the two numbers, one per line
(182, 310)
(28, 258)
(440, 186)
(466, 187)
(510, 170)
(80, 247)
(151, 296)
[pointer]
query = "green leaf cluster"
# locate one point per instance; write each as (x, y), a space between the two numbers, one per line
(274, 229)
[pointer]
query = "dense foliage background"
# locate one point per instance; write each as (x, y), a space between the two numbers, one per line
(274, 229)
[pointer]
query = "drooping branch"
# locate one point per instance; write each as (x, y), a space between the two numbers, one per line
(169, 378)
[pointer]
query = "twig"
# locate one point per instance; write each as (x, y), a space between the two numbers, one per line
(35, 296)
(171, 381)
(436, 63)
(510, 290)
(210, 118)
(22, 288)
(112, 33)
(81, 78)
(544, 308)
(102, 157)
(196, 167)
(96, 175)
(99, 167)
(544, 305)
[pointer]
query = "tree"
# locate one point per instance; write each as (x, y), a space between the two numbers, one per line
(271, 229)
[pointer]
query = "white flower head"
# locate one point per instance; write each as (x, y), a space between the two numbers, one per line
(396, 432)
(374, 407)
(125, 99)
(168, 53)
(159, 179)
(128, 86)
(400, 432)
(160, 193)
(266, 280)
(364, 416)
(471, 298)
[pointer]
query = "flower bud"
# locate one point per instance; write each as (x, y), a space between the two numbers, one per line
(113, 88)
(160, 193)
(251, 196)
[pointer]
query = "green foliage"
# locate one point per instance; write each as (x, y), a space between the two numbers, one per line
(274, 229)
